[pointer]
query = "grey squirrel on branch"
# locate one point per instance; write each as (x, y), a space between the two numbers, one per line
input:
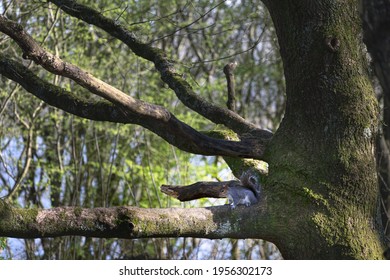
(246, 191)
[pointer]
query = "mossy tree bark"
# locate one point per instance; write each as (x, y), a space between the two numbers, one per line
(322, 181)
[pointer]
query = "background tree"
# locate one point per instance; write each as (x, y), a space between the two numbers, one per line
(321, 182)
(377, 39)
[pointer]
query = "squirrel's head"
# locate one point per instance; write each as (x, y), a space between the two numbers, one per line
(250, 180)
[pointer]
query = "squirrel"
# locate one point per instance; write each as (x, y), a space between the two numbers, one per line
(246, 191)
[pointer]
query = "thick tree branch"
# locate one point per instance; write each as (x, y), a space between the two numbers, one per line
(173, 131)
(132, 222)
(32, 50)
(58, 97)
(168, 73)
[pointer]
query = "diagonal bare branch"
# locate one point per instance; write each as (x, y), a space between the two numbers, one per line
(166, 68)
(32, 50)
(132, 222)
(121, 108)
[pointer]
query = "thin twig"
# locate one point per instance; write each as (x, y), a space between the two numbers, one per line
(188, 25)
(236, 53)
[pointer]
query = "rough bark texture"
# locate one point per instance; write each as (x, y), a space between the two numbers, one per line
(133, 222)
(322, 179)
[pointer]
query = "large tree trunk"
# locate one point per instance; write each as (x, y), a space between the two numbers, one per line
(322, 183)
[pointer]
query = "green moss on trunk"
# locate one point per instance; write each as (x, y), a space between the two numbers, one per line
(322, 178)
